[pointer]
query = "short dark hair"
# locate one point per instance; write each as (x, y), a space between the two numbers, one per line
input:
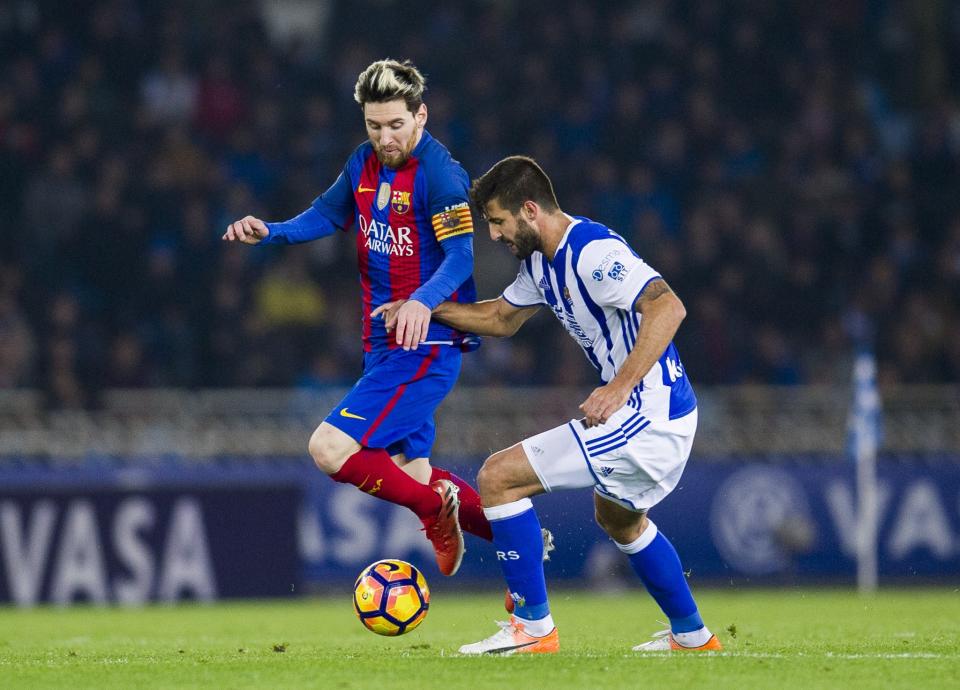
(388, 80)
(511, 182)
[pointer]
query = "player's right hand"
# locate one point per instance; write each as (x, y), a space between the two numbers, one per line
(388, 312)
(248, 230)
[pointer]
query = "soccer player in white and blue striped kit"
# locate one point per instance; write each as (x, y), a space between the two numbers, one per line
(637, 431)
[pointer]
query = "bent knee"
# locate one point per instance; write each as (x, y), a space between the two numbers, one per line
(622, 531)
(486, 477)
(613, 528)
(600, 520)
(329, 451)
(490, 478)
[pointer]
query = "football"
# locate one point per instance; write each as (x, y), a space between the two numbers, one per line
(391, 597)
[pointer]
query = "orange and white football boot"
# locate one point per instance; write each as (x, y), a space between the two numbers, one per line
(664, 642)
(512, 639)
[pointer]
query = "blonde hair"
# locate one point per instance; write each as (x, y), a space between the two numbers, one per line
(389, 80)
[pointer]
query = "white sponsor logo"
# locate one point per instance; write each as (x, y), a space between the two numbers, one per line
(350, 531)
(167, 561)
(674, 369)
(918, 520)
(601, 269)
(618, 271)
(385, 239)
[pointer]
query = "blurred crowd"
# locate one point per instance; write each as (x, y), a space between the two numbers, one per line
(791, 168)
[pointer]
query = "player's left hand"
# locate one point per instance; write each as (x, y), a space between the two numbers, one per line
(603, 402)
(413, 321)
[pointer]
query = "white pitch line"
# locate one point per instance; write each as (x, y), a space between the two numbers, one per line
(829, 655)
(902, 655)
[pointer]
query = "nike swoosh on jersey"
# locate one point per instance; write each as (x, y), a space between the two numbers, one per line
(351, 415)
(361, 189)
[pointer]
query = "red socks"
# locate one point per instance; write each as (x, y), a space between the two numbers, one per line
(472, 519)
(371, 470)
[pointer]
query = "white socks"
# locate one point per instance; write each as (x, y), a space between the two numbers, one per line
(695, 638)
(539, 627)
(641, 542)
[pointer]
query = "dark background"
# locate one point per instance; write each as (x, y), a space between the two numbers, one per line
(789, 167)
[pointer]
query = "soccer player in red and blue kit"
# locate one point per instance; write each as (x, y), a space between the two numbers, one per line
(408, 200)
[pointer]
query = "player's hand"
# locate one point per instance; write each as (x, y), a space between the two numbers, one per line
(248, 230)
(603, 402)
(413, 320)
(388, 311)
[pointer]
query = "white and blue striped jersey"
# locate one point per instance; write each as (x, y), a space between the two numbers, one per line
(591, 286)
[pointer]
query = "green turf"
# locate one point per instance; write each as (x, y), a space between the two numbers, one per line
(774, 639)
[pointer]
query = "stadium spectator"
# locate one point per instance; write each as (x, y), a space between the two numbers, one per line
(805, 163)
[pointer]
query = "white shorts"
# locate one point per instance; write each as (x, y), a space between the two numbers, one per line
(629, 460)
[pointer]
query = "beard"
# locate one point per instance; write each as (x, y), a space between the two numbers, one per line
(526, 241)
(397, 158)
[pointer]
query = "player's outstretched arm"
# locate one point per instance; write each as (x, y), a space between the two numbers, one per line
(662, 313)
(493, 317)
(249, 230)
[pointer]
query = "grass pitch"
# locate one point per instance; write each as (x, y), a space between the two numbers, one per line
(774, 639)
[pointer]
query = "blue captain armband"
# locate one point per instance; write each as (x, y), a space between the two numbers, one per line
(456, 267)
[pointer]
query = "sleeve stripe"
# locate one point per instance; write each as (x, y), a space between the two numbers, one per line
(440, 232)
(462, 230)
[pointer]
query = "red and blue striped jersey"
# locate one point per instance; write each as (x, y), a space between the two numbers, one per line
(401, 218)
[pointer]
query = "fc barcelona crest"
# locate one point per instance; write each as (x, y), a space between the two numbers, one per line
(448, 220)
(400, 201)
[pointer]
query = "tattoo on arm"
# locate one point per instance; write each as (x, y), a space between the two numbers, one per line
(655, 289)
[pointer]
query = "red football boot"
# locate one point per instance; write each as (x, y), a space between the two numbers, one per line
(443, 530)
